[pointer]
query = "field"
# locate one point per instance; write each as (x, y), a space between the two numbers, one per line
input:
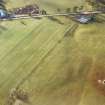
(56, 62)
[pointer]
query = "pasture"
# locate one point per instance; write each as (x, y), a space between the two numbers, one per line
(55, 63)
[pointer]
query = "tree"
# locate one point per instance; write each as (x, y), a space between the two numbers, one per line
(68, 10)
(2, 4)
(75, 9)
(81, 8)
(58, 10)
(44, 12)
(96, 4)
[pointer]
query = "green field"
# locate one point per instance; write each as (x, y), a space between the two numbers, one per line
(55, 63)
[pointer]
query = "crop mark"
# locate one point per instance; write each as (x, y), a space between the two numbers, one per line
(20, 42)
(19, 67)
(35, 68)
(71, 30)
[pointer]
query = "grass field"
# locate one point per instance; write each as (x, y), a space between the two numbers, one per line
(53, 62)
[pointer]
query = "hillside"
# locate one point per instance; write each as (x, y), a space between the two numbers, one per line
(54, 63)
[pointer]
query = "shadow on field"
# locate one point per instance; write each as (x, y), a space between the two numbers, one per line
(55, 20)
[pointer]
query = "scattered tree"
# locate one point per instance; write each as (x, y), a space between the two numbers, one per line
(58, 10)
(81, 8)
(2, 4)
(68, 10)
(44, 12)
(75, 9)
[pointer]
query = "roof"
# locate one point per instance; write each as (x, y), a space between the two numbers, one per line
(2, 13)
(84, 18)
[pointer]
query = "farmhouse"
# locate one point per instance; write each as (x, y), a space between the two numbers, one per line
(29, 9)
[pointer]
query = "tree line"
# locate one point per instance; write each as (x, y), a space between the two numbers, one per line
(74, 9)
(67, 10)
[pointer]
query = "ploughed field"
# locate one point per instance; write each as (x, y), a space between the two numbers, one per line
(55, 62)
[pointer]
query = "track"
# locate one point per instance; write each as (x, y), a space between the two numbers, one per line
(16, 17)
